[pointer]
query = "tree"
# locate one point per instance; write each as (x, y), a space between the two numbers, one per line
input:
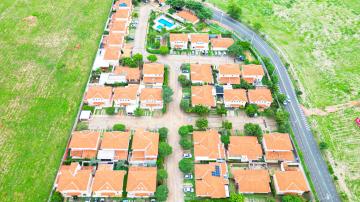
(161, 175)
(185, 143)
(119, 127)
(202, 123)
(138, 59)
(164, 149)
(253, 129)
(201, 110)
(56, 197)
(227, 125)
(183, 131)
(163, 132)
(176, 4)
(82, 126)
(282, 120)
(233, 9)
(186, 165)
(281, 97)
(225, 138)
(245, 85)
(257, 26)
(162, 192)
(236, 197)
(152, 58)
(185, 104)
(236, 50)
(110, 110)
(139, 112)
(323, 145)
(204, 13)
(292, 198)
(164, 50)
(184, 81)
(166, 94)
(126, 61)
(251, 110)
(221, 110)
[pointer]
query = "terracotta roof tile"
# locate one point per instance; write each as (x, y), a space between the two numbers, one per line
(115, 140)
(235, 95)
(131, 73)
(202, 95)
(178, 37)
(208, 144)
(290, 181)
(194, 38)
(252, 69)
(252, 181)
(118, 26)
(74, 182)
(141, 179)
(201, 72)
(115, 39)
(232, 69)
(128, 3)
(144, 143)
(188, 16)
(245, 146)
(221, 42)
(85, 139)
(103, 92)
(153, 68)
(112, 53)
(121, 14)
(279, 156)
(108, 181)
(151, 94)
(277, 141)
(128, 92)
(260, 94)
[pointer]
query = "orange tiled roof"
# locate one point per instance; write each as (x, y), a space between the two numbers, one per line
(151, 94)
(108, 181)
(290, 181)
(252, 69)
(85, 139)
(194, 38)
(127, 2)
(131, 73)
(207, 185)
(245, 146)
(127, 92)
(252, 181)
(229, 80)
(115, 39)
(118, 26)
(145, 141)
(201, 72)
(115, 140)
(277, 141)
(260, 94)
(188, 16)
(221, 42)
(122, 13)
(154, 68)
(141, 179)
(235, 95)
(178, 37)
(232, 69)
(279, 156)
(202, 95)
(112, 53)
(104, 92)
(75, 182)
(208, 144)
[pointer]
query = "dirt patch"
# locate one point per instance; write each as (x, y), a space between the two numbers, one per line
(30, 21)
(329, 109)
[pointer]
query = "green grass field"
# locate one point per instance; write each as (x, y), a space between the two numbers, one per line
(47, 49)
(321, 40)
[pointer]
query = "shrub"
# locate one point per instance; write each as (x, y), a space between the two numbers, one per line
(225, 138)
(164, 149)
(152, 58)
(161, 175)
(162, 192)
(200, 110)
(56, 197)
(251, 110)
(236, 197)
(163, 132)
(185, 143)
(184, 81)
(185, 104)
(110, 110)
(119, 127)
(186, 165)
(234, 9)
(164, 50)
(292, 198)
(127, 61)
(82, 126)
(253, 129)
(183, 131)
(323, 145)
(139, 112)
(202, 123)
(167, 94)
(88, 108)
(138, 59)
(227, 125)
(221, 110)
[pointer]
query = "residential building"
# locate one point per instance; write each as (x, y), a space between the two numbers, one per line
(252, 73)
(278, 147)
(151, 98)
(84, 144)
(153, 74)
(221, 44)
(203, 95)
(132, 75)
(111, 55)
(99, 96)
(290, 182)
(114, 146)
(122, 15)
(201, 73)
(208, 146)
(74, 180)
(229, 74)
(108, 182)
(199, 42)
(122, 4)
(244, 149)
(252, 181)
(187, 16)
(119, 26)
(114, 40)
(211, 180)
(141, 182)
(126, 96)
(260, 96)
(179, 41)
(235, 98)
(144, 147)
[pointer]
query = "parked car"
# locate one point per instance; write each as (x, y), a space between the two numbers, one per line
(188, 176)
(187, 155)
(188, 189)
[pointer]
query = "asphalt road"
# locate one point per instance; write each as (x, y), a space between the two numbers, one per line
(319, 173)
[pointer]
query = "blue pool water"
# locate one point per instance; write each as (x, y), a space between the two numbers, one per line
(166, 23)
(159, 27)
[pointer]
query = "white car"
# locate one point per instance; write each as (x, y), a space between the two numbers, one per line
(188, 176)
(187, 156)
(188, 189)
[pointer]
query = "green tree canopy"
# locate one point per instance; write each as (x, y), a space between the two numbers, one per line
(176, 4)
(185, 104)
(119, 127)
(184, 81)
(162, 192)
(292, 198)
(164, 50)
(227, 125)
(200, 110)
(152, 58)
(161, 175)
(183, 131)
(185, 143)
(251, 110)
(234, 9)
(164, 149)
(110, 110)
(163, 132)
(253, 129)
(167, 94)
(234, 197)
(202, 123)
(225, 138)
(186, 165)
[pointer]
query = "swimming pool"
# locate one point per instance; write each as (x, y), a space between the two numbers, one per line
(163, 22)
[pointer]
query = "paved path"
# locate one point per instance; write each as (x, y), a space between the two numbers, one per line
(319, 173)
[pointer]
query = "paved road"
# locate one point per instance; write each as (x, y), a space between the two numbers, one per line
(320, 176)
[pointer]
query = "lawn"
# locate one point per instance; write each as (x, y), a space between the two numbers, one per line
(320, 39)
(47, 50)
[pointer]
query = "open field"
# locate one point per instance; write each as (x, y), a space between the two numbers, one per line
(320, 39)
(47, 49)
